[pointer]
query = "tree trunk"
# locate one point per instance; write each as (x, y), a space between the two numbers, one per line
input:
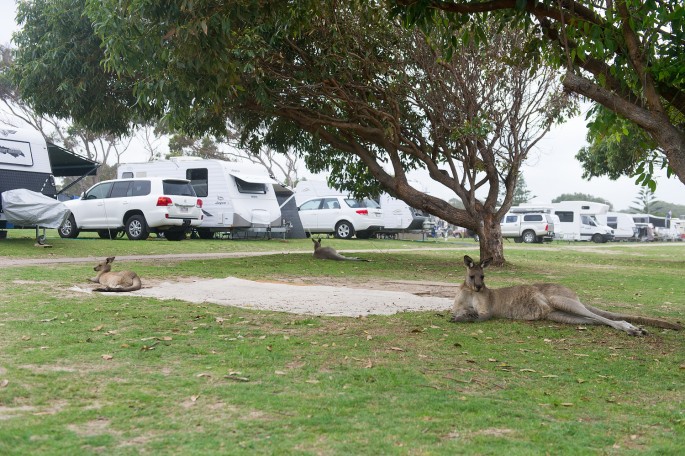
(490, 239)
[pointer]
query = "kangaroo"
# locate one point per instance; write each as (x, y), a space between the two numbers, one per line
(115, 281)
(329, 253)
(543, 301)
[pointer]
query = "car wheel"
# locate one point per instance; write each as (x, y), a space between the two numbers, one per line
(68, 228)
(175, 235)
(597, 238)
(344, 230)
(529, 237)
(136, 228)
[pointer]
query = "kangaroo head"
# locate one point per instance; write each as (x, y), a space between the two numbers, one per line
(317, 243)
(104, 266)
(475, 279)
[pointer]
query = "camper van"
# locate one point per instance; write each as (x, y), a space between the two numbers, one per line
(578, 221)
(28, 161)
(237, 197)
(623, 225)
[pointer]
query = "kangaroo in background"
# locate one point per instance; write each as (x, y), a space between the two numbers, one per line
(329, 253)
(543, 301)
(115, 281)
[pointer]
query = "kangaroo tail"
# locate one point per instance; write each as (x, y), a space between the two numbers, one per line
(656, 322)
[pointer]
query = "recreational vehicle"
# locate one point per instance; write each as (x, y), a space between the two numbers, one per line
(623, 225)
(28, 161)
(578, 221)
(237, 197)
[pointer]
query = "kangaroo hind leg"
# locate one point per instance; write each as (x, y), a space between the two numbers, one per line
(574, 307)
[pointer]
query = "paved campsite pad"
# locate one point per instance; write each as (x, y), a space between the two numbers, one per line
(296, 296)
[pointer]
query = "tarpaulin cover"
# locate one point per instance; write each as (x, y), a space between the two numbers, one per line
(24, 207)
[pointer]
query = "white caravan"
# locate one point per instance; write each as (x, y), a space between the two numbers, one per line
(236, 196)
(578, 221)
(623, 225)
(29, 162)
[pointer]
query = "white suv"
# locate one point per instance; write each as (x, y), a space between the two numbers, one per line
(136, 206)
(344, 217)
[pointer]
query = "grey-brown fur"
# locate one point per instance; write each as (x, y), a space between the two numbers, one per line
(543, 301)
(115, 281)
(329, 253)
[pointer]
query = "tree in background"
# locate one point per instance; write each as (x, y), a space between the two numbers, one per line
(646, 203)
(355, 94)
(521, 193)
(625, 55)
(581, 197)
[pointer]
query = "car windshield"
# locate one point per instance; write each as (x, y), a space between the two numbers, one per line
(181, 188)
(366, 202)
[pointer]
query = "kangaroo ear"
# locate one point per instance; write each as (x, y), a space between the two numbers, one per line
(110, 259)
(484, 264)
(468, 261)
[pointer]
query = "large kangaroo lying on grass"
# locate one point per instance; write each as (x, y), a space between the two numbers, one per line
(115, 281)
(329, 253)
(543, 301)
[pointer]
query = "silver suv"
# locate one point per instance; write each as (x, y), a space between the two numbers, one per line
(136, 207)
(344, 217)
(528, 227)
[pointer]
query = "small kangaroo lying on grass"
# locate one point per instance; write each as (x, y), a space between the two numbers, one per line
(329, 253)
(543, 301)
(115, 281)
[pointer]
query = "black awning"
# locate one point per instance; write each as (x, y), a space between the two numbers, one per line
(66, 163)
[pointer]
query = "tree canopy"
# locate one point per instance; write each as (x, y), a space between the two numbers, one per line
(626, 55)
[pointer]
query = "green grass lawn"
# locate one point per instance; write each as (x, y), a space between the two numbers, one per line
(92, 374)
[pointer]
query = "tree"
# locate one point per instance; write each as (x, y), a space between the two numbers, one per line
(646, 203)
(581, 197)
(625, 55)
(357, 95)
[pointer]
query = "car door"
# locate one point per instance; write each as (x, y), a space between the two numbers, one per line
(117, 203)
(90, 211)
(510, 225)
(329, 214)
(309, 211)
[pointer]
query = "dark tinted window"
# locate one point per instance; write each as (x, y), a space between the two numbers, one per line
(511, 219)
(99, 191)
(127, 175)
(331, 203)
(181, 188)
(198, 178)
(565, 216)
(139, 188)
(532, 218)
(120, 189)
(249, 187)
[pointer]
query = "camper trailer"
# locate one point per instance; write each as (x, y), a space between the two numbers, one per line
(237, 197)
(399, 216)
(578, 221)
(623, 225)
(28, 161)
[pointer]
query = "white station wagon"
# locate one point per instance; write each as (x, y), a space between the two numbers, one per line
(137, 207)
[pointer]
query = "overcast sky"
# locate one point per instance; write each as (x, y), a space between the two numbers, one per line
(550, 170)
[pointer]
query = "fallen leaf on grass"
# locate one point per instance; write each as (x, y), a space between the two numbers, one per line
(98, 328)
(566, 404)
(25, 337)
(203, 374)
(313, 382)
(368, 365)
(397, 349)
(527, 370)
(280, 373)
(4, 383)
(107, 357)
(193, 398)
(550, 376)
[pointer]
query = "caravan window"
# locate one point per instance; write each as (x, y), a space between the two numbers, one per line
(198, 178)
(612, 222)
(565, 216)
(250, 187)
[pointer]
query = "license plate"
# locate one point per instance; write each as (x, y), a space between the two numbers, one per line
(184, 209)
